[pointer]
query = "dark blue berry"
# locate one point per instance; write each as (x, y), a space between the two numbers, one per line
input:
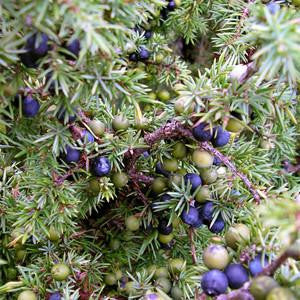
(191, 217)
(146, 154)
(72, 155)
(214, 283)
(42, 47)
(206, 212)
(202, 132)
(160, 170)
(133, 57)
(55, 296)
(218, 225)
(237, 275)
(144, 54)
(171, 5)
(194, 179)
(29, 59)
(257, 264)
(164, 228)
(101, 166)
(61, 115)
(74, 48)
(220, 137)
(217, 161)
(30, 107)
(273, 7)
(148, 34)
(166, 197)
(87, 136)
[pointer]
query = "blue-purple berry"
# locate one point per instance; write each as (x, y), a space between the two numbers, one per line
(160, 170)
(144, 54)
(202, 132)
(237, 275)
(74, 48)
(87, 136)
(133, 57)
(218, 225)
(220, 137)
(72, 155)
(257, 264)
(164, 228)
(101, 166)
(193, 179)
(55, 296)
(217, 161)
(214, 283)
(273, 7)
(206, 212)
(30, 107)
(191, 217)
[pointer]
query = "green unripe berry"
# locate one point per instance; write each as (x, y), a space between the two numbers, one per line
(20, 255)
(280, 293)
(53, 235)
(176, 221)
(11, 273)
(97, 127)
(130, 288)
(159, 185)
(93, 187)
(296, 2)
(27, 295)
(203, 194)
(2, 128)
(165, 239)
(163, 95)
(141, 123)
(164, 284)
(177, 2)
(175, 179)
(238, 234)
(180, 108)
(176, 265)
(152, 96)
(209, 176)
(176, 293)
(118, 274)
(234, 125)
(132, 223)
(151, 269)
(216, 257)
(261, 286)
(161, 272)
(159, 58)
(119, 179)
(170, 165)
(120, 123)
(179, 150)
(110, 279)
(114, 244)
(60, 272)
(202, 159)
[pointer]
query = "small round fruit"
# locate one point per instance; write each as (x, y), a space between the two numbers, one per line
(214, 283)
(165, 238)
(100, 166)
(206, 212)
(237, 275)
(179, 150)
(11, 273)
(27, 295)
(202, 132)
(261, 286)
(93, 187)
(296, 2)
(20, 255)
(177, 293)
(132, 223)
(120, 123)
(159, 58)
(130, 288)
(114, 244)
(216, 257)
(220, 137)
(280, 293)
(97, 127)
(164, 228)
(202, 159)
(164, 284)
(191, 217)
(2, 128)
(218, 225)
(273, 7)
(170, 165)
(133, 57)
(72, 155)
(257, 264)
(60, 272)
(193, 179)
(160, 170)
(53, 235)
(30, 107)
(234, 125)
(55, 296)
(163, 95)
(159, 185)
(87, 137)
(203, 194)
(143, 54)
(176, 265)
(209, 176)
(174, 179)
(236, 235)
(110, 279)
(152, 296)
(119, 179)
(161, 272)
(180, 108)
(142, 123)
(118, 274)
